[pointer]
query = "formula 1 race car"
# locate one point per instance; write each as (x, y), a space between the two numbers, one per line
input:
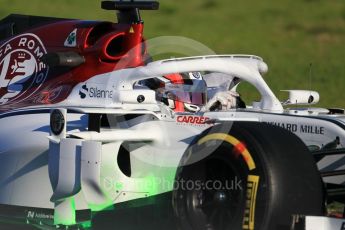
(96, 135)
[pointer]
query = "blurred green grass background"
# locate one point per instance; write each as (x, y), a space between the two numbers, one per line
(288, 34)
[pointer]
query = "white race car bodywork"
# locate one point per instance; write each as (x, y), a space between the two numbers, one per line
(43, 170)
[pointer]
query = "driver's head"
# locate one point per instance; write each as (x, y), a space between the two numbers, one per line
(182, 92)
(185, 92)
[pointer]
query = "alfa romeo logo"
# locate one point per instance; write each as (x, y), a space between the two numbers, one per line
(21, 70)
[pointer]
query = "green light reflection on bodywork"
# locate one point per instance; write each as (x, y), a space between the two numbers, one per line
(151, 184)
(71, 220)
(106, 205)
(159, 183)
(101, 207)
(119, 185)
(86, 225)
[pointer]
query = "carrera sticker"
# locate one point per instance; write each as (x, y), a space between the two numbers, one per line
(21, 70)
(192, 120)
(93, 91)
(71, 40)
(249, 212)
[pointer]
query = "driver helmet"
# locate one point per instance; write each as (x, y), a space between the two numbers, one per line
(182, 92)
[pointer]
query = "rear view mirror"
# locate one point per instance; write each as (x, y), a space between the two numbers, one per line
(302, 97)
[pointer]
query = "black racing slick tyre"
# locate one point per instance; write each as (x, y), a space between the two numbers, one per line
(255, 176)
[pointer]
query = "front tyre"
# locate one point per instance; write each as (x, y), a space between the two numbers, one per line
(256, 176)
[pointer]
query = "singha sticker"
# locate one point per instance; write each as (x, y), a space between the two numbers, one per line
(21, 70)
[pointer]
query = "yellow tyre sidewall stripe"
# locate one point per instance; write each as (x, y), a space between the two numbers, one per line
(233, 141)
(252, 181)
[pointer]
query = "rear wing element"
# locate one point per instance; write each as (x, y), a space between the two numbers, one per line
(128, 12)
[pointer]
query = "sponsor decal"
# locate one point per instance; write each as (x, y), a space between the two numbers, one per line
(21, 71)
(249, 212)
(310, 129)
(31, 214)
(39, 215)
(71, 40)
(192, 120)
(83, 92)
(95, 92)
(195, 76)
(49, 96)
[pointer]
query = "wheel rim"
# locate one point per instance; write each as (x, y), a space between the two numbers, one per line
(217, 204)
